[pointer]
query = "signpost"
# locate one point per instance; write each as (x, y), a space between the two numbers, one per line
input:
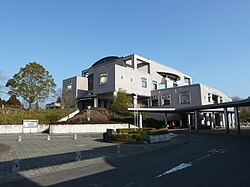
(30, 123)
(30, 126)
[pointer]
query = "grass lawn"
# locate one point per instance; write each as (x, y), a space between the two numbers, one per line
(45, 116)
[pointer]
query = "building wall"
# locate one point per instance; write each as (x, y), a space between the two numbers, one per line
(175, 93)
(105, 88)
(79, 85)
(130, 80)
(206, 91)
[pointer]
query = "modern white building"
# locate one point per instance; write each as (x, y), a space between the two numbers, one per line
(151, 84)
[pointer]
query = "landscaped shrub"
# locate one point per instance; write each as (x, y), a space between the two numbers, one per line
(121, 137)
(126, 130)
(127, 137)
(158, 131)
(132, 130)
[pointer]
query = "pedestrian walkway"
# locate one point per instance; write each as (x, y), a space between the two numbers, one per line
(35, 155)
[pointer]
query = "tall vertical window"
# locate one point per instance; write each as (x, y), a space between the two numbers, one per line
(103, 78)
(154, 85)
(90, 82)
(144, 82)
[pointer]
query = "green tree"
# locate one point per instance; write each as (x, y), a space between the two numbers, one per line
(121, 102)
(33, 83)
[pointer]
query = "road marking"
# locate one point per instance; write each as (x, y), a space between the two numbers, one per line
(189, 164)
(177, 168)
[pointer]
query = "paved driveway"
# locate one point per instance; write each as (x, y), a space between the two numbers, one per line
(38, 156)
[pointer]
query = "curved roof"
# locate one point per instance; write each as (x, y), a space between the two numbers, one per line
(170, 75)
(105, 60)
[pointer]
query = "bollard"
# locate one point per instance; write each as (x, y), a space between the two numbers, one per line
(145, 144)
(78, 156)
(119, 149)
(75, 137)
(48, 137)
(15, 165)
(19, 139)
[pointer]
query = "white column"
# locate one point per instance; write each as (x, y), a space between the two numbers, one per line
(207, 119)
(221, 119)
(212, 120)
(237, 120)
(135, 63)
(232, 120)
(196, 119)
(189, 121)
(135, 101)
(140, 121)
(226, 120)
(218, 99)
(202, 119)
(166, 119)
(95, 102)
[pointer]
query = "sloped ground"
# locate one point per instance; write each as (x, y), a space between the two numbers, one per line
(106, 116)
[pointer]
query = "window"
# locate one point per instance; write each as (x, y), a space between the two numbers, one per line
(121, 77)
(154, 85)
(129, 62)
(187, 81)
(90, 82)
(175, 84)
(162, 86)
(184, 98)
(103, 78)
(166, 100)
(69, 87)
(209, 98)
(155, 101)
(144, 82)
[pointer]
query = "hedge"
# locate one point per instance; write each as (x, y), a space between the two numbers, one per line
(126, 137)
(131, 130)
(158, 131)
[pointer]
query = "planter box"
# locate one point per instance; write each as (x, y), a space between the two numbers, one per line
(158, 138)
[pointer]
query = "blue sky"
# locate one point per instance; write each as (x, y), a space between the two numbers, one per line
(207, 39)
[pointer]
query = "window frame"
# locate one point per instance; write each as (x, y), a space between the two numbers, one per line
(103, 75)
(144, 80)
(185, 96)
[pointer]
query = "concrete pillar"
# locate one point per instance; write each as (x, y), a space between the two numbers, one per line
(166, 119)
(189, 121)
(221, 119)
(218, 99)
(95, 102)
(135, 63)
(207, 119)
(135, 101)
(140, 120)
(226, 120)
(196, 119)
(237, 120)
(180, 123)
(203, 118)
(230, 119)
(212, 120)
